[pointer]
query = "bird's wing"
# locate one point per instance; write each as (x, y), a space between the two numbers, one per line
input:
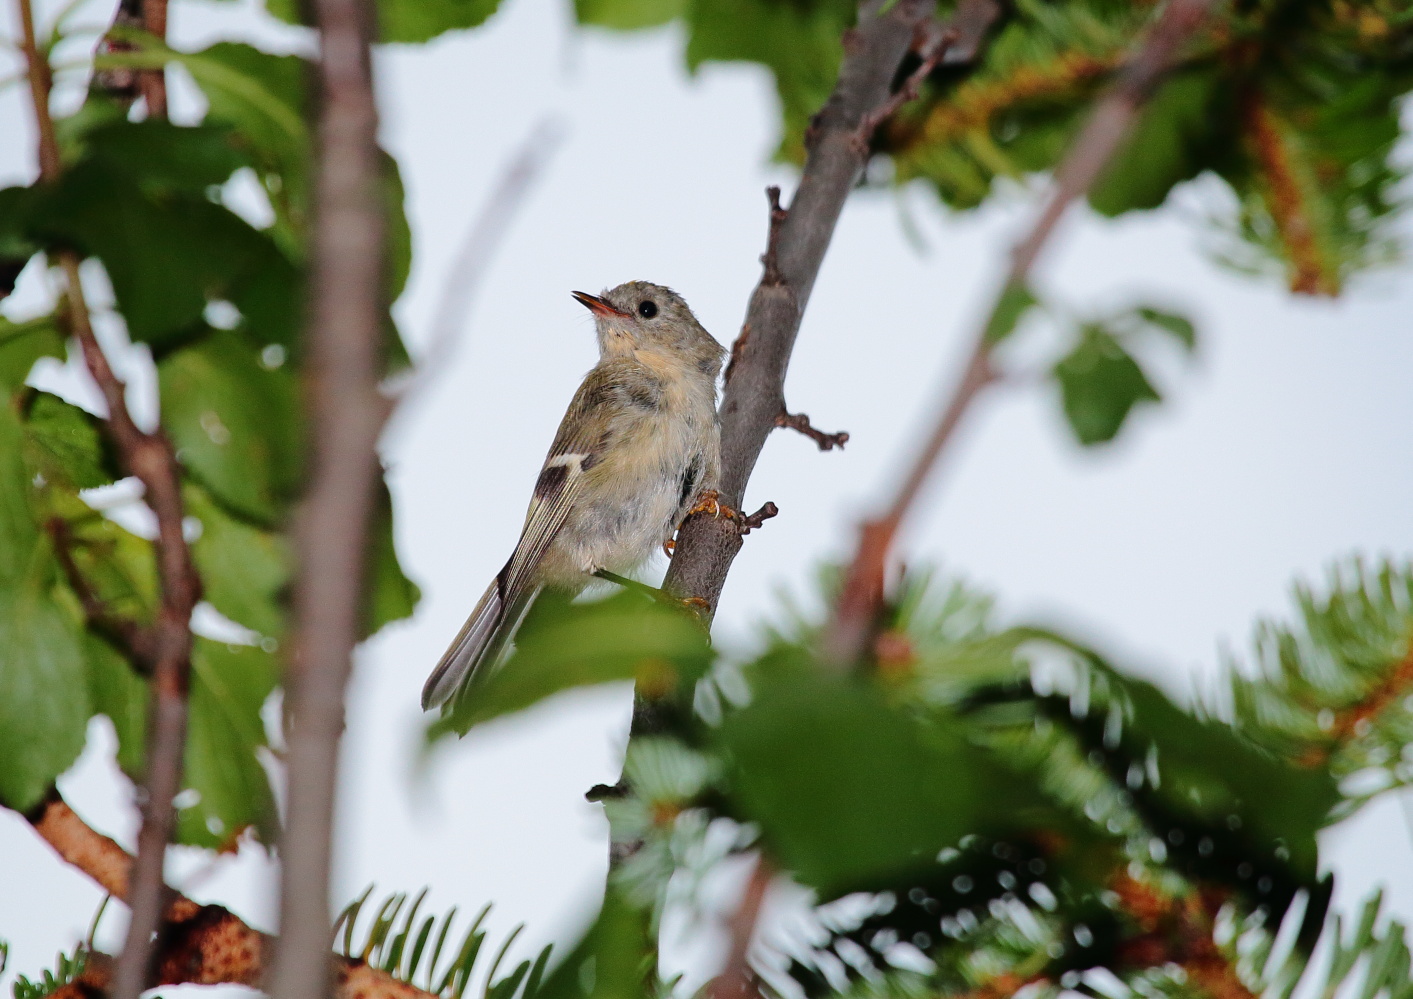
(583, 435)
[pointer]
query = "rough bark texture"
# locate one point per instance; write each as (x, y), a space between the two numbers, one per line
(754, 394)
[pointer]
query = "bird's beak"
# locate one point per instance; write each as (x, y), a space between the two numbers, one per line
(598, 306)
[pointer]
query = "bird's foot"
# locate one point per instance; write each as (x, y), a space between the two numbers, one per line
(709, 502)
(668, 547)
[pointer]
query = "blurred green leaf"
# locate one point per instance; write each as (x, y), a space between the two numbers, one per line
(627, 15)
(391, 595)
(1180, 327)
(408, 20)
(44, 704)
(1011, 307)
(1167, 146)
(245, 571)
(800, 42)
(235, 424)
(1100, 383)
(64, 444)
(118, 692)
(24, 343)
(563, 645)
(230, 684)
(846, 790)
(615, 959)
(163, 158)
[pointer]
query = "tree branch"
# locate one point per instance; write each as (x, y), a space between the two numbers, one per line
(801, 423)
(138, 643)
(196, 944)
(346, 413)
(754, 385)
(150, 458)
(1096, 145)
(737, 979)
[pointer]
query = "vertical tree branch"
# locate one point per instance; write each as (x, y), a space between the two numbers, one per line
(153, 82)
(754, 391)
(345, 414)
(150, 458)
(1105, 131)
(737, 980)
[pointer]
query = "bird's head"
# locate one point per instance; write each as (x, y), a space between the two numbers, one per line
(639, 317)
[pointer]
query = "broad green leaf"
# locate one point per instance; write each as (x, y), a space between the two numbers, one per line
(44, 698)
(234, 423)
(847, 791)
(391, 595)
(801, 43)
(119, 566)
(1100, 383)
(163, 158)
(64, 444)
(1169, 144)
(615, 959)
(24, 343)
(44, 704)
(230, 684)
(118, 692)
(245, 571)
(627, 15)
(408, 20)
(563, 645)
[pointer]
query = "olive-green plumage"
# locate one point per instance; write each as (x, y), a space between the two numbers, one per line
(639, 443)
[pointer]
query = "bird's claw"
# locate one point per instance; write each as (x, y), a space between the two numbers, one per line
(709, 502)
(668, 546)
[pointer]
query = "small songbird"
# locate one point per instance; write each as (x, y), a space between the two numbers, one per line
(637, 447)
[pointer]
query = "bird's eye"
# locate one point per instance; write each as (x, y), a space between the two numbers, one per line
(647, 309)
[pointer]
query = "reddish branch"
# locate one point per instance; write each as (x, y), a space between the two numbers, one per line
(737, 980)
(345, 412)
(150, 458)
(1108, 126)
(196, 944)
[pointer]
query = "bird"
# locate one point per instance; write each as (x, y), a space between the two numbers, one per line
(638, 449)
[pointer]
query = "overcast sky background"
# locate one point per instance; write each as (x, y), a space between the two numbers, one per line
(1286, 445)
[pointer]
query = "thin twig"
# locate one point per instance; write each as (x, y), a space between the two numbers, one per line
(938, 40)
(137, 642)
(1096, 145)
(345, 413)
(150, 458)
(153, 82)
(770, 259)
(801, 422)
(472, 261)
(756, 520)
(737, 980)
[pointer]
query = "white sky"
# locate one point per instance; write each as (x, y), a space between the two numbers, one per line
(1286, 445)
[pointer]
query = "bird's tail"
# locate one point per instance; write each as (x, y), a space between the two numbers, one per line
(481, 640)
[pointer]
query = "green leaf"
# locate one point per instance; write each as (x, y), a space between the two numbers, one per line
(245, 571)
(408, 20)
(801, 43)
(1100, 383)
(391, 595)
(1180, 327)
(164, 158)
(1011, 307)
(613, 960)
(846, 790)
(24, 343)
(118, 692)
(627, 15)
(1168, 145)
(234, 423)
(44, 704)
(564, 645)
(64, 444)
(230, 684)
